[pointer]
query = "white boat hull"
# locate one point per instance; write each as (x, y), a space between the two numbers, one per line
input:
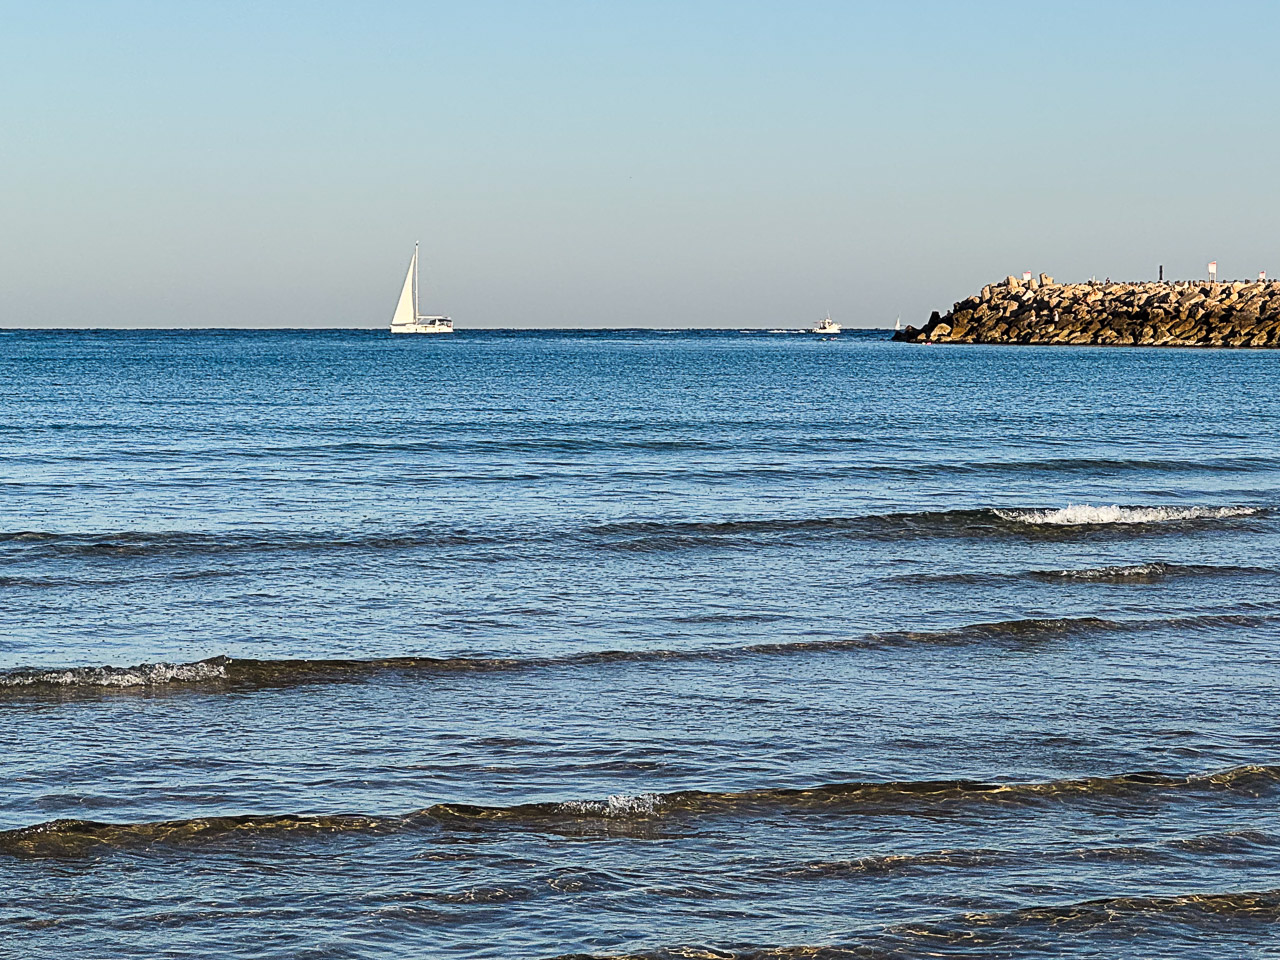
(438, 325)
(826, 325)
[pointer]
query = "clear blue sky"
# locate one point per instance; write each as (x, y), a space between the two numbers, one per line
(619, 164)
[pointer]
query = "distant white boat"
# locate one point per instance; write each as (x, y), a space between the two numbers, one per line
(406, 319)
(826, 325)
(897, 324)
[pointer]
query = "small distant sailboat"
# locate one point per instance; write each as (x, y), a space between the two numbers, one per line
(826, 326)
(897, 324)
(406, 319)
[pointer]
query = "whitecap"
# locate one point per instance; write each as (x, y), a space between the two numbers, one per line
(1086, 514)
(142, 675)
(619, 805)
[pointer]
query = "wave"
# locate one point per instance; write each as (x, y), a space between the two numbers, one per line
(238, 674)
(142, 675)
(1195, 910)
(635, 535)
(929, 797)
(912, 863)
(1234, 842)
(1023, 523)
(1030, 931)
(241, 673)
(1093, 466)
(1152, 571)
(70, 838)
(1078, 515)
(177, 543)
(626, 815)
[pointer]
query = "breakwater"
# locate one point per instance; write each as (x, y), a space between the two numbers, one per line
(1149, 314)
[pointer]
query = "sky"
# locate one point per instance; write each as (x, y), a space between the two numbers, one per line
(619, 164)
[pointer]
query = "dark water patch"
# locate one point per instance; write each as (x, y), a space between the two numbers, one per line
(124, 544)
(169, 576)
(75, 838)
(1184, 925)
(610, 442)
(1018, 632)
(744, 617)
(1091, 466)
(1201, 911)
(1153, 571)
(982, 859)
(1229, 842)
(623, 815)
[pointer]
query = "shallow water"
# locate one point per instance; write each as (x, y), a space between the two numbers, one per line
(635, 643)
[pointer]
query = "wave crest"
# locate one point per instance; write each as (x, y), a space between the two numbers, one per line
(1080, 515)
(240, 675)
(141, 675)
(625, 815)
(642, 536)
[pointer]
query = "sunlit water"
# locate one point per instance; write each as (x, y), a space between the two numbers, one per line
(672, 644)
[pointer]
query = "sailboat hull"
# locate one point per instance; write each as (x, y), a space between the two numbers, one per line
(425, 325)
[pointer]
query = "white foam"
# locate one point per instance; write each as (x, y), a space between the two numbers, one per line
(1082, 514)
(142, 675)
(619, 805)
(1134, 571)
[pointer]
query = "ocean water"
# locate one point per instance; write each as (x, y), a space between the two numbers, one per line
(693, 644)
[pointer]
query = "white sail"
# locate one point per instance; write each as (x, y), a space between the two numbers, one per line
(406, 310)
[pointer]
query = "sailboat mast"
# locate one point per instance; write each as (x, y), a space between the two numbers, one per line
(415, 282)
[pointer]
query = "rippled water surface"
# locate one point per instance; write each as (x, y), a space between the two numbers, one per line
(617, 643)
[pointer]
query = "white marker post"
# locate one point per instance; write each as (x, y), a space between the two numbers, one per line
(1213, 271)
(1026, 275)
(1262, 276)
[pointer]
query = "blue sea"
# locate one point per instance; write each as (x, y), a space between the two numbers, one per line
(695, 644)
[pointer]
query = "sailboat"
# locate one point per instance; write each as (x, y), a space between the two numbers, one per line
(897, 324)
(406, 319)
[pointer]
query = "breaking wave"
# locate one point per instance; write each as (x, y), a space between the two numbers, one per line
(1151, 572)
(142, 675)
(628, 536)
(1078, 515)
(647, 536)
(248, 674)
(635, 815)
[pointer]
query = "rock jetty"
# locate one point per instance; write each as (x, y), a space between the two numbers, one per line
(1153, 314)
